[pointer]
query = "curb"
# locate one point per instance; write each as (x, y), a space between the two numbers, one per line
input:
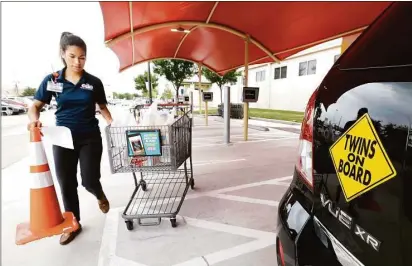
(276, 121)
(258, 119)
(260, 128)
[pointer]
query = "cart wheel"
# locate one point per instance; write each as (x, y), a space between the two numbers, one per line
(129, 225)
(143, 185)
(173, 222)
(192, 183)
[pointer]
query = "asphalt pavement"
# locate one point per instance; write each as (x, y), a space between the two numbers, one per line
(13, 134)
(228, 219)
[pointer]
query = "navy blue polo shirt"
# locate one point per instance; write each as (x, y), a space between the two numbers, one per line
(76, 104)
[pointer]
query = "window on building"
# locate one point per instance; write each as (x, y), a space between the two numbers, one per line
(303, 68)
(281, 72)
(260, 75)
(307, 68)
(335, 58)
(311, 67)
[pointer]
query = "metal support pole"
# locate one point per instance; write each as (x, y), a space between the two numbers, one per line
(206, 114)
(246, 105)
(199, 66)
(149, 79)
(226, 113)
(191, 108)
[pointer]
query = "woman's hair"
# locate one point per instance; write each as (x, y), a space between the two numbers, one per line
(69, 39)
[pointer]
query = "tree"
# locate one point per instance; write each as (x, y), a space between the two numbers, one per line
(175, 71)
(128, 96)
(167, 94)
(140, 84)
(29, 92)
(229, 78)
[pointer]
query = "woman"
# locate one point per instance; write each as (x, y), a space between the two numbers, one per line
(77, 93)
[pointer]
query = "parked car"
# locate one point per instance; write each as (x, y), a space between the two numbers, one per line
(6, 110)
(16, 109)
(350, 200)
(24, 100)
(16, 103)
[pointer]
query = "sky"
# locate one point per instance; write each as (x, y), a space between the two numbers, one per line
(30, 44)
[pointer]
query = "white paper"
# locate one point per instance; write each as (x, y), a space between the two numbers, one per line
(59, 136)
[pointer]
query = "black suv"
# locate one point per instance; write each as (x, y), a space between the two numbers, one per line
(350, 200)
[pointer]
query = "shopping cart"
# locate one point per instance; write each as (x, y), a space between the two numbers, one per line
(165, 174)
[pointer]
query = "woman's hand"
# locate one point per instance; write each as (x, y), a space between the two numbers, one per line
(106, 114)
(34, 124)
(34, 114)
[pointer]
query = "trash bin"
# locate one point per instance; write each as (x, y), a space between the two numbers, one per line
(236, 110)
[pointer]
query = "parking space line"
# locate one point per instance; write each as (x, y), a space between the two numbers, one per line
(237, 251)
(283, 184)
(230, 229)
(239, 187)
(218, 162)
(230, 253)
(119, 261)
(245, 199)
(107, 254)
(243, 142)
(198, 261)
(108, 257)
(270, 134)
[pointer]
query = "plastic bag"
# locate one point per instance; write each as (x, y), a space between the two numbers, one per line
(122, 117)
(150, 116)
(154, 117)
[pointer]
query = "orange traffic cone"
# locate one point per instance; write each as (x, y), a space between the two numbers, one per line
(46, 218)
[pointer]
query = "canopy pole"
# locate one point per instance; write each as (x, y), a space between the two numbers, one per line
(191, 108)
(246, 104)
(199, 74)
(226, 115)
(149, 79)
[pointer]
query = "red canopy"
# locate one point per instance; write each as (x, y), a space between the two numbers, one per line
(142, 31)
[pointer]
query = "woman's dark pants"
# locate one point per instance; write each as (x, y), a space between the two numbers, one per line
(88, 150)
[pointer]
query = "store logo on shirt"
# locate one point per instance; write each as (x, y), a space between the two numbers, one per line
(87, 87)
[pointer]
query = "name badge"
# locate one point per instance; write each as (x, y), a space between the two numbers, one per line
(56, 87)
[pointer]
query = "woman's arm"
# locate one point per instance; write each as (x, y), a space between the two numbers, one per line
(106, 113)
(34, 114)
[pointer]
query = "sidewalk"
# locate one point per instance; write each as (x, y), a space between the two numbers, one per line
(229, 219)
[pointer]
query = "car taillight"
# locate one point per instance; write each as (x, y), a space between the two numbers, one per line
(305, 161)
(281, 254)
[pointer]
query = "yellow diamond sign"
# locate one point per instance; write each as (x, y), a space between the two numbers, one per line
(360, 160)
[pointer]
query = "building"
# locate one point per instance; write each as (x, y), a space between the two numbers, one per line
(282, 86)
(289, 84)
